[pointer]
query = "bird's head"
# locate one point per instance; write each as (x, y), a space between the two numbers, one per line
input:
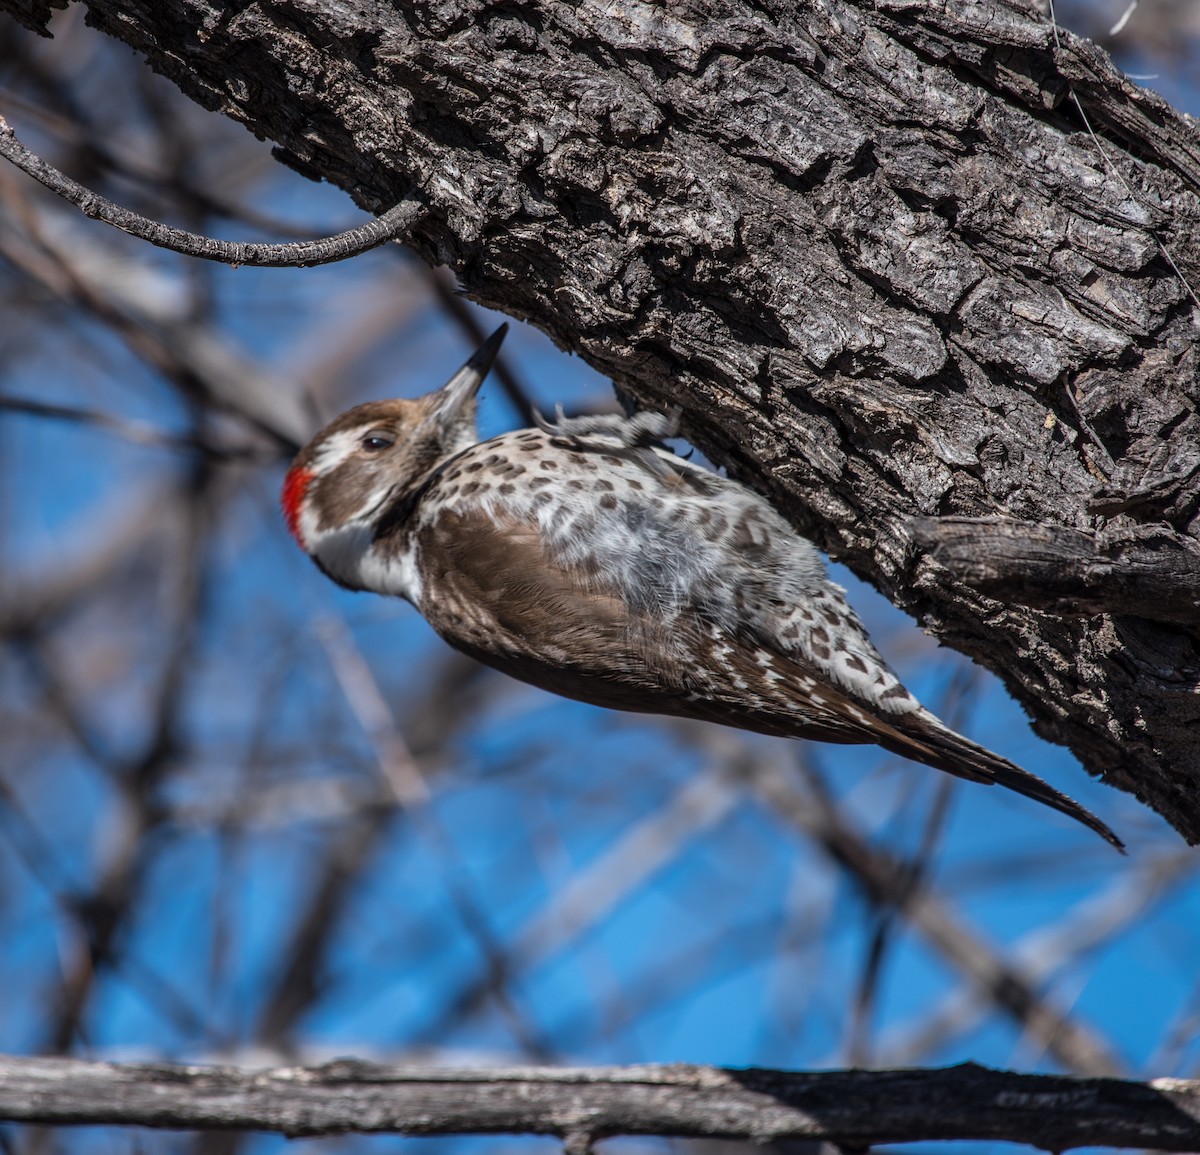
(344, 483)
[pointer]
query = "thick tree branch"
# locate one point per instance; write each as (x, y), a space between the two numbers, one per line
(848, 1107)
(893, 260)
(1154, 574)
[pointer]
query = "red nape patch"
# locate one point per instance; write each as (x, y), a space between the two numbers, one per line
(295, 486)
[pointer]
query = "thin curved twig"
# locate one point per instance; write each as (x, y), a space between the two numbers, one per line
(388, 227)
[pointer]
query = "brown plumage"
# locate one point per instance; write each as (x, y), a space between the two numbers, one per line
(582, 558)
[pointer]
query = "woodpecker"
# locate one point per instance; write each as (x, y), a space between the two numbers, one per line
(583, 557)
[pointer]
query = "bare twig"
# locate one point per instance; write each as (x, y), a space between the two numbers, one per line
(193, 354)
(139, 432)
(397, 220)
(411, 792)
(1046, 955)
(585, 900)
(881, 879)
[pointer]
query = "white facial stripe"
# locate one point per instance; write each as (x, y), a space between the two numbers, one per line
(308, 525)
(337, 448)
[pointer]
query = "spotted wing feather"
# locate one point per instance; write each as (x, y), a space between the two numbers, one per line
(617, 574)
(501, 598)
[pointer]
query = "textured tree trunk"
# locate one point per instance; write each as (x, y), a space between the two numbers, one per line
(899, 261)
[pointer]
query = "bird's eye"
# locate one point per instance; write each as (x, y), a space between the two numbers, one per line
(375, 442)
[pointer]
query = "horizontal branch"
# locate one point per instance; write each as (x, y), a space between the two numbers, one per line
(292, 254)
(584, 1104)
(1153, 573)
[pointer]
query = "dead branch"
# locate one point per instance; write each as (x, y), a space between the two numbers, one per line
(849, 1107)
(1153, 574)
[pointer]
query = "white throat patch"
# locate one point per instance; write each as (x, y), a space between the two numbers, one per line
(346, 554)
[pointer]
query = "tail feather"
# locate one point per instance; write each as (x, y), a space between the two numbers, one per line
(926, 740)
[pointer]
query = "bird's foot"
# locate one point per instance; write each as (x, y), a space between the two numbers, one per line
(612, 431)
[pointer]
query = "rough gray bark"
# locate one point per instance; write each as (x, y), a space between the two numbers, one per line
(871, 247)
(1070, 571)
(853, 1108)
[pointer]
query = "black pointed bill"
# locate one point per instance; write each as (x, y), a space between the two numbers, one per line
(463, 386)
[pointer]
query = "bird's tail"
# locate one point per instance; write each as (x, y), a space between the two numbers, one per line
(925, 739)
